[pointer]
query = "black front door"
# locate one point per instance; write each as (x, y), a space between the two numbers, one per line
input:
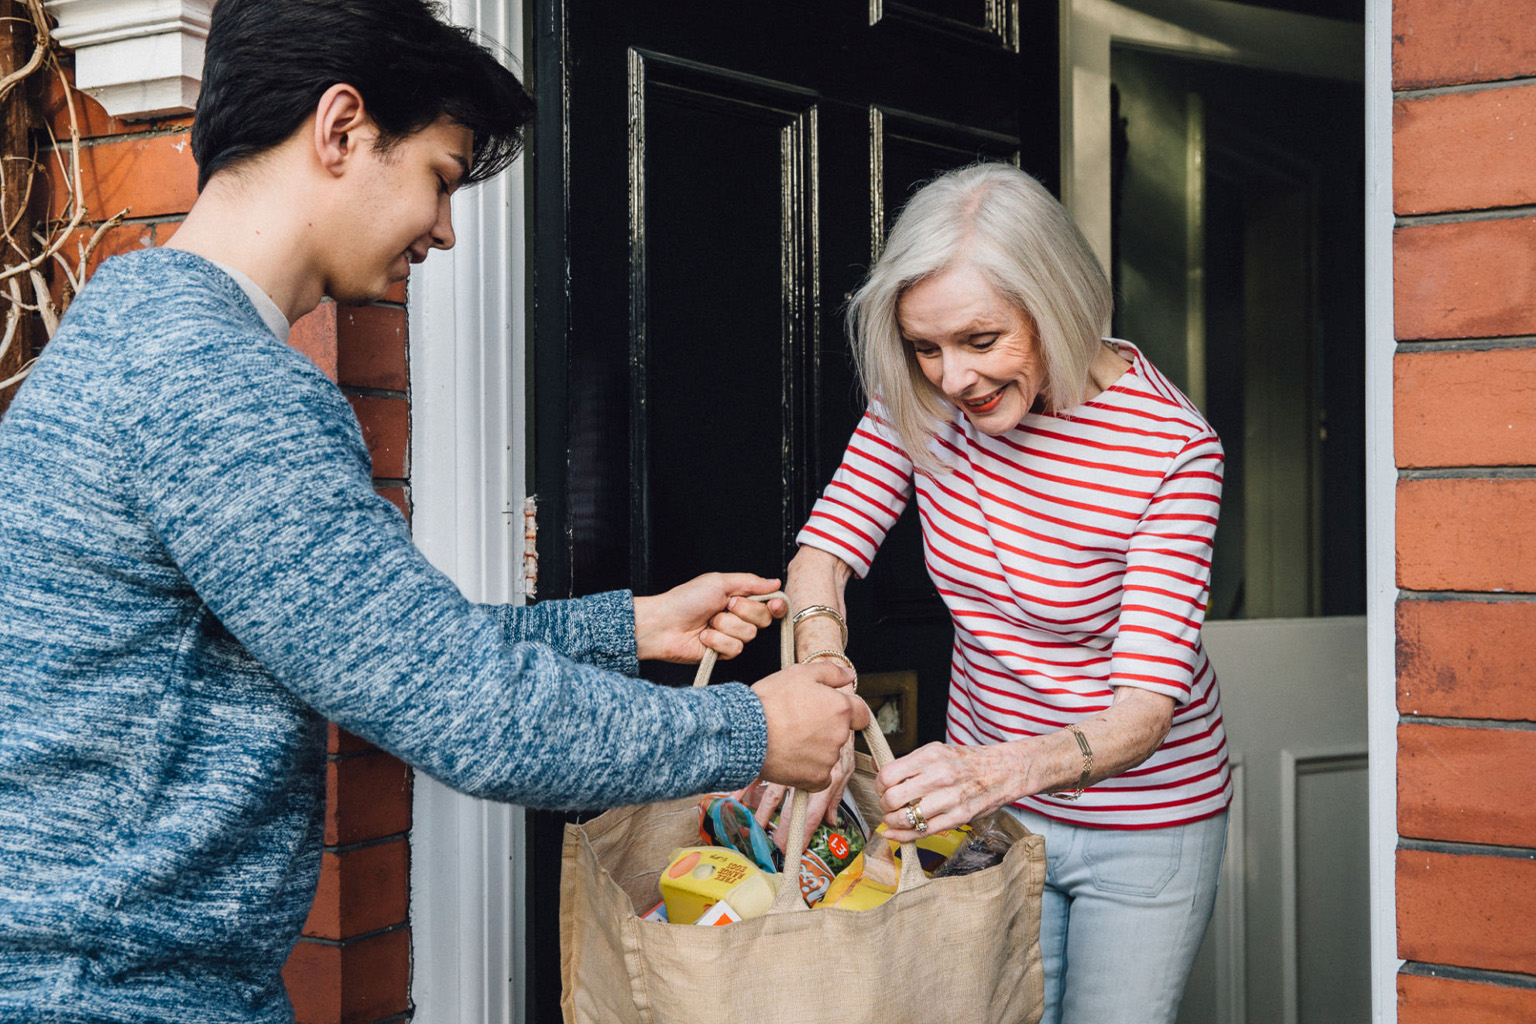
(710, 180)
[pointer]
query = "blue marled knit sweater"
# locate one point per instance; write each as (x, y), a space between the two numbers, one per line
(195, 572)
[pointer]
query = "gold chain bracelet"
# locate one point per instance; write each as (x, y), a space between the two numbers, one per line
(1082, 780)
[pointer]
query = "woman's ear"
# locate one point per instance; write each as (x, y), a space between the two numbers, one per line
(341, 125)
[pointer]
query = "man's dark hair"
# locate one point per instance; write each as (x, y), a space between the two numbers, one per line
(268, 62)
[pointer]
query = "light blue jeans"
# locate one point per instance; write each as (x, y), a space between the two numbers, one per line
(1123, 916)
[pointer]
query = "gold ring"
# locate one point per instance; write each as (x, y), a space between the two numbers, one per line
(915, 815)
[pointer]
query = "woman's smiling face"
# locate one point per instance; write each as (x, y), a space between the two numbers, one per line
(976, 347)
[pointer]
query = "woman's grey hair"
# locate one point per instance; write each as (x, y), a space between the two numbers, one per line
(1008, 226)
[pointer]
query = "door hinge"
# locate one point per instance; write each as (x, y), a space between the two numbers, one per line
(530, 578)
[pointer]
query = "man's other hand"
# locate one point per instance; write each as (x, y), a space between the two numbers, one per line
(713, 611)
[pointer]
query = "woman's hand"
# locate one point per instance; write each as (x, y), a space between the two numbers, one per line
(951, 783)
(713, 611)
(956, 783)
(809, 718)
(767, 797)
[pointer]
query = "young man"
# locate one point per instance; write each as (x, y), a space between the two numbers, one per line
(195, 571)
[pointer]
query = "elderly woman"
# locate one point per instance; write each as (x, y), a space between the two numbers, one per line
(1068, 495)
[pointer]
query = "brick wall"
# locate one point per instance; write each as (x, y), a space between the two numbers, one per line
(1464, 183)
(353, 964)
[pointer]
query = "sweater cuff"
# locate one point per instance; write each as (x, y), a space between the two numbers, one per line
(598, 630)
(747, 743)
(609, 640)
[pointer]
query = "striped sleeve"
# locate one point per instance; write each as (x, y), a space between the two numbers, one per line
(1168, 574)
(865, 498)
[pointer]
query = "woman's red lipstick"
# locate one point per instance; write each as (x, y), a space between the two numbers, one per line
(986, 406)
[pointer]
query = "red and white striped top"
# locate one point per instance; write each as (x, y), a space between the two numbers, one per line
(1074, 553)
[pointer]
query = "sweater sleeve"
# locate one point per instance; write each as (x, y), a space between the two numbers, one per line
(1168, 576)
(250, 467)
(597, 630)
(865, 498)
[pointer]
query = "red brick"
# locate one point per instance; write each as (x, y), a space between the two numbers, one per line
(91, 118)
(150, 177)
(1466, 534)
(1438, 42)
(362, 890)
(370, 344)
(1465, 408)
(396, 496)
(339, 741)
(1422, 1000)
(1475, 279)
(1466, 785)
(1466, 659)
(350, 983)
(1467, 910)
(314, 334)
(366, 797)
(1464, 151)
(386, 424)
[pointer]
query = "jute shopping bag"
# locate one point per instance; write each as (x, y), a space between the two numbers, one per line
(962, 948)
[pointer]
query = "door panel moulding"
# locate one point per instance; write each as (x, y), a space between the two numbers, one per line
(657, 78)
(1293, 765)
(469, 410)
(999, 24)
(1229, 916)
(958, 142)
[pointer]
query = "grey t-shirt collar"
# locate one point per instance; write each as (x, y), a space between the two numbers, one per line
(273, 317)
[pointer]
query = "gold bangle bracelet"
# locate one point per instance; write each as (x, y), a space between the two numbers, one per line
(812, 610)
(830, 653)
(1082, 780)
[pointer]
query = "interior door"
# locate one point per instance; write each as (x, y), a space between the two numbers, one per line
(1289, 940)
(1237, 250)
(709, 181)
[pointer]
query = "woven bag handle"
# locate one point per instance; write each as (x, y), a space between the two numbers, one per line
(788, 897)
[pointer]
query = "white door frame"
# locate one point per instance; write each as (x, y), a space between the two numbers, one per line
(469, 427)
(1380, 510)
(1218, 30)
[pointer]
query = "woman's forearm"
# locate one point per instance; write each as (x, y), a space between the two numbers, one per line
(1121, 737)
(817, 578)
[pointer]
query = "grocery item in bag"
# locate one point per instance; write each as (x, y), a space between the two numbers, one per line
(935, 848)
(985, 848)
(698, 877)
(854, 889)
(829, 851)
(731, 824)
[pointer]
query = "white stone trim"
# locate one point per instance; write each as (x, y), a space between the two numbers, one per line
(1380, 512)
(468, 471)
(137, 58)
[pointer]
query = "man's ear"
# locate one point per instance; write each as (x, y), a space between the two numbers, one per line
(340, 123)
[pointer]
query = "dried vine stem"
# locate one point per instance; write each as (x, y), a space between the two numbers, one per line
(25, 256)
